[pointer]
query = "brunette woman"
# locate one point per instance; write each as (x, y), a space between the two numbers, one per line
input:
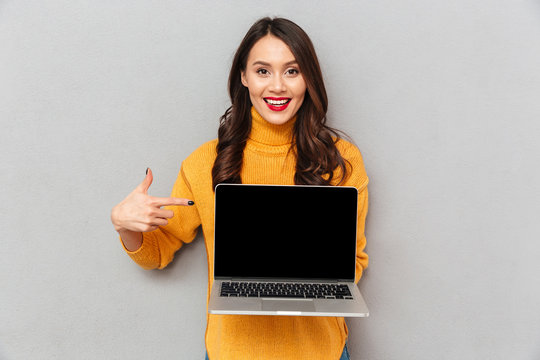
(274, 132)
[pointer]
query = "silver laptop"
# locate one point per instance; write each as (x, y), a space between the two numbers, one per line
(285, 250)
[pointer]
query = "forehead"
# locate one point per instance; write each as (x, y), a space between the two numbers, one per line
(270, 49)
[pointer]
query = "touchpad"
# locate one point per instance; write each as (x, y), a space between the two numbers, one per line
(288, 305)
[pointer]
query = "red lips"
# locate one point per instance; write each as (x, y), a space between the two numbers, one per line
(277, 106)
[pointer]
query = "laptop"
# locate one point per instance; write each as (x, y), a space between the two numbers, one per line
(285, 250)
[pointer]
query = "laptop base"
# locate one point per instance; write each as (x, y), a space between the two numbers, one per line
(287, 307)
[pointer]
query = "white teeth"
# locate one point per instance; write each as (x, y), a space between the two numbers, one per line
(277, 102)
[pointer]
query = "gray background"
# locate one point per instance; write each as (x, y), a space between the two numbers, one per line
(442, 98)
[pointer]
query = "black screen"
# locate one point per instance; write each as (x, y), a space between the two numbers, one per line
(306, 232)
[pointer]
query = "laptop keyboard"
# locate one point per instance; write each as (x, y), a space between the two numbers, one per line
(285, 290)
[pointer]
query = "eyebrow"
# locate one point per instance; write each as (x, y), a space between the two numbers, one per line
(264, 63)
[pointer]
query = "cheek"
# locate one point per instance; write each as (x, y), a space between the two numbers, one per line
(255, 88)
(300, 88)
(300, 91)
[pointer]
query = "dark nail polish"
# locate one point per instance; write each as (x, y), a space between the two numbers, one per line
(147, 171)
(190, 203)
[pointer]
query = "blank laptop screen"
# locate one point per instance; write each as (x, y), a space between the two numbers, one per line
(280, 232)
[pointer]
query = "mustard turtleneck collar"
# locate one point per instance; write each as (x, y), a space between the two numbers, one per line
(270, 134)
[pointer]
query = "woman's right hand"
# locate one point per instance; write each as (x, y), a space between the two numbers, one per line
(140, 212)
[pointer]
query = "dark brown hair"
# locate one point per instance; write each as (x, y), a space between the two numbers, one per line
(317, 157)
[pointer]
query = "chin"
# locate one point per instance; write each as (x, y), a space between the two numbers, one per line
(276, 117)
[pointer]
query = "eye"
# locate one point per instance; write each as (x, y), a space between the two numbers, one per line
(262, 72)
(292, 72)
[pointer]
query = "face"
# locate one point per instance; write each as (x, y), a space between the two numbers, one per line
(273, 78)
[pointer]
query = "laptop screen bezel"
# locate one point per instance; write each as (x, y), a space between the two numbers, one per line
(223, 187)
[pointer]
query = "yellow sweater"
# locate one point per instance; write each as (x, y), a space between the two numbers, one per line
(266, 161)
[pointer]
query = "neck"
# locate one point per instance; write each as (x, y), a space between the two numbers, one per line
(270, 134)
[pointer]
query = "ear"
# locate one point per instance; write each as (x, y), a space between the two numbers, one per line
(243, 78)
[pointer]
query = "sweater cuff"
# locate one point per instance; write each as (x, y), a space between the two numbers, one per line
(145, 255)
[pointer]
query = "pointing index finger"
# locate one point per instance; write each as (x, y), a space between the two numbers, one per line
(172, 201)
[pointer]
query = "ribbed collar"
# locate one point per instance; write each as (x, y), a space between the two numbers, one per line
(270, 134)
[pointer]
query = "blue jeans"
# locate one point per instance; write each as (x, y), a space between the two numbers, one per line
(344, 356)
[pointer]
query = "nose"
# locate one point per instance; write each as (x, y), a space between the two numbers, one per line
(277, 84)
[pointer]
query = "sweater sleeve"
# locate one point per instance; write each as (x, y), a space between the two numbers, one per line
(362, 258)
(358, 178)
(159, 246)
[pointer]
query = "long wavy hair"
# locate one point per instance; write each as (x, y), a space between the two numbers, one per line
(318, 161)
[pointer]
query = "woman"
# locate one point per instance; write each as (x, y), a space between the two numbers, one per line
(273, 133)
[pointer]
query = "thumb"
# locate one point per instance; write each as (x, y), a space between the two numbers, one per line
(143, 187)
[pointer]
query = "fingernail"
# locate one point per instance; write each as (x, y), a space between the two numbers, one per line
(147, 171)
(190, 203)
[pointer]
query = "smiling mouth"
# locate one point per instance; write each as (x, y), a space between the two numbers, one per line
(277, 101)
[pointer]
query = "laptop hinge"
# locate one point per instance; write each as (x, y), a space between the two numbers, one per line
(282, 280)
